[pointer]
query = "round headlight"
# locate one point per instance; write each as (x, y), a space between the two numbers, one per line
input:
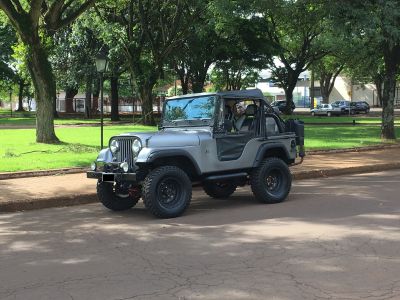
(114, 146)
(136, 146)
(93, 166)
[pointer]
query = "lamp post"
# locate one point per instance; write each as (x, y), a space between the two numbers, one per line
(10, 90)
(101, 66)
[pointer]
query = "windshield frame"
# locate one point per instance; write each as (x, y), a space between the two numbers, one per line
(209, 122)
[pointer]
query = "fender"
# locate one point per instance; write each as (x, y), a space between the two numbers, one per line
(173, 153)
(105, 156)
(265, 147)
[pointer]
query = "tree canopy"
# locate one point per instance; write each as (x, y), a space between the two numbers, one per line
(226, 42)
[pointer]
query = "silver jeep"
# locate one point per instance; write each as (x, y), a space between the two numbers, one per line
(219, 140)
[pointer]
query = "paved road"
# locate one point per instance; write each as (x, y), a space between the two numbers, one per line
(335, 238)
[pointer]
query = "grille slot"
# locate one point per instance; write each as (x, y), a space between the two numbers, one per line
(125, 151)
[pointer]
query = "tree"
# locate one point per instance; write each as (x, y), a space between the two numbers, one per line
(12, 67)
(36, 22)
(199, 50)
(244, 49)
(148, 31)
(297, 28)
(327, 70)
(7, 40)
(233, 75)
(375, 23)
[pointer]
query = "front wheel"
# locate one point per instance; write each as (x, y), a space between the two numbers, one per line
(329, 114)
(116, 197)
(219, 189)
(167, 192)
(313, 114)
(271, 181)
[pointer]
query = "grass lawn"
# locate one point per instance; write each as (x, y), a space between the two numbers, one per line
(22, 121)
(340, 137)
(80, 146)
(29, 121)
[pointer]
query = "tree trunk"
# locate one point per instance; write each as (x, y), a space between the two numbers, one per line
(183, 78)
(146, 97)
(21, 87)
(114, 98)
(389, 86)
(45, 91)
(289, 97)
(88, 95)
(324, 83)
(70, 93)
(378, 83)
(198, 80)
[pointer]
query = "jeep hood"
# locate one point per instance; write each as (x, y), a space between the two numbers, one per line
(171, 138)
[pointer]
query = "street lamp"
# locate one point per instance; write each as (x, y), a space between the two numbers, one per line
(101, 66)
(11, 90)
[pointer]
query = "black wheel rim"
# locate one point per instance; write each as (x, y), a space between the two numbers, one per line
(169, 192)
(273, 181)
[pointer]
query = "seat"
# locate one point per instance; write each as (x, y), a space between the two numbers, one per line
(247, 122)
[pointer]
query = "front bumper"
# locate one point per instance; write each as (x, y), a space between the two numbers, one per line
(111, 177)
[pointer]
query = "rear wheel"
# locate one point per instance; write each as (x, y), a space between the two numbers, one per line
(271, 181)
(167, 192)
(219, 189)
(116, 196)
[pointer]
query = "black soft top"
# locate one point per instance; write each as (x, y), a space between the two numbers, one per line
(252, 94)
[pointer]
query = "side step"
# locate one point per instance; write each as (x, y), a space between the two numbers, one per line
(226, 176)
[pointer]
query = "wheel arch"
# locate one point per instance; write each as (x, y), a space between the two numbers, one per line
(272, 150)
(176, 157)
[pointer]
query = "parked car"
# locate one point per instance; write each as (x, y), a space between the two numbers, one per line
(360, 107)
(281, 105)
(344, 106)
(326, 110)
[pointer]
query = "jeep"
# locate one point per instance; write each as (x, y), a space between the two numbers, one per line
(217, 140)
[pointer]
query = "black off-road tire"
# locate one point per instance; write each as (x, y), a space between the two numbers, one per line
(167, 192)
(271, 181)
(219, 189)
(108, 197)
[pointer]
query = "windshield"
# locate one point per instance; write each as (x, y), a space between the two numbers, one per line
(194, 111)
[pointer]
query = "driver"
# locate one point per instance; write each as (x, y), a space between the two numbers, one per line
(239, 115)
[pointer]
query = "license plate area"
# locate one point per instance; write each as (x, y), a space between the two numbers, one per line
(108, 177)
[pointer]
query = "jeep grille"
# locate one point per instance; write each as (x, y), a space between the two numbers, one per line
(125, 151)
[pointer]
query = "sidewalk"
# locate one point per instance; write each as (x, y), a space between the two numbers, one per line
(72, 189)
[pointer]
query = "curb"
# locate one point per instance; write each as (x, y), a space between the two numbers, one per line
(300, 175)
(23, 174)
(74, 170)
(356, 149)
(34, 204)
(80, 199)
